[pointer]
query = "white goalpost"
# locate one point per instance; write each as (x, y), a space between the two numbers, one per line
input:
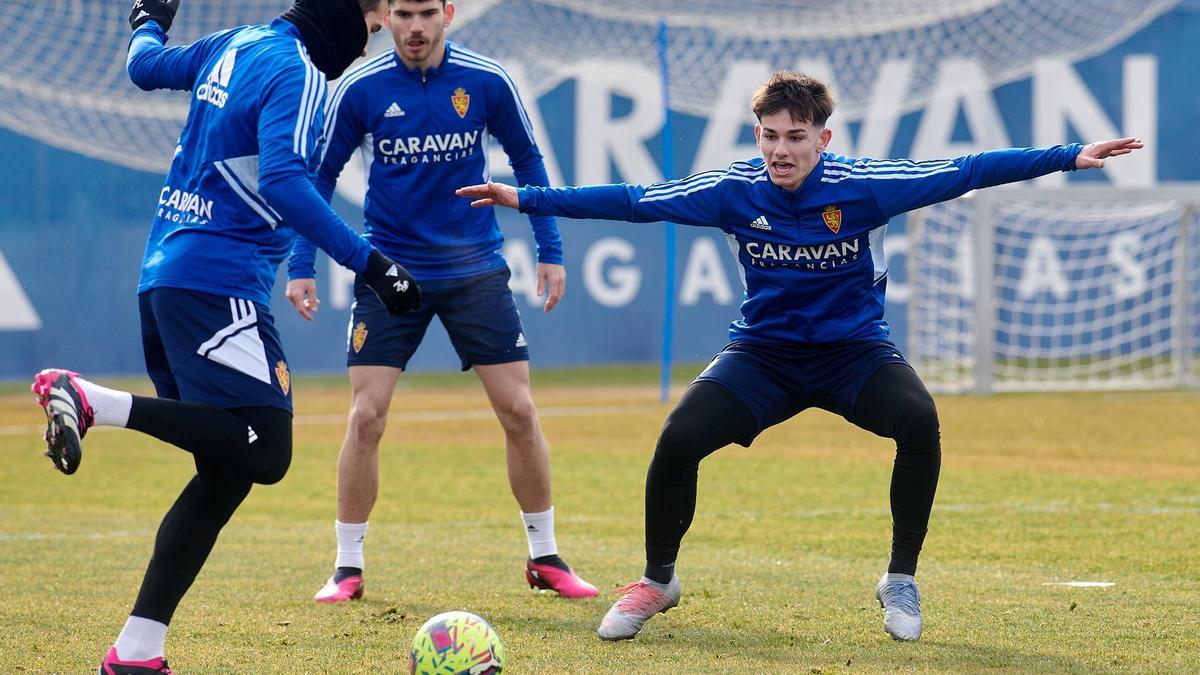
(1086, 288)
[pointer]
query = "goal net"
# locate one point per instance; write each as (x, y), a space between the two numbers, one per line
(1023, 290)
(62, 77)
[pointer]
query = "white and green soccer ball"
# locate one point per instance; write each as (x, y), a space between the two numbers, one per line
(456, 643)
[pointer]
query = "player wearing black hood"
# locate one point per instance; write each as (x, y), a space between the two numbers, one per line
(332, 31)
(241, 177)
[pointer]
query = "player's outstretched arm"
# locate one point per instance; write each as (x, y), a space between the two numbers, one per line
(687, 201)
(1093, 154)
(552, 278)
(902, 185)
(490, 194)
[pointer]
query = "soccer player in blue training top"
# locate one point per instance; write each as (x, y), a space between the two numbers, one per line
(808, 226)
(239, 188)
(423, 112)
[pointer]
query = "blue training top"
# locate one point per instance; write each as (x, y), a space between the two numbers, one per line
(423, 136)
(240, 185)
(811, 260)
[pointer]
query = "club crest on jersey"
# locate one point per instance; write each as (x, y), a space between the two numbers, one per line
(358, 337)
(462, 101)
(285, 379)
(832, 216)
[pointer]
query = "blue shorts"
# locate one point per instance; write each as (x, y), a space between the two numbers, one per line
(212, 349)
(478, 312)
(777, 382)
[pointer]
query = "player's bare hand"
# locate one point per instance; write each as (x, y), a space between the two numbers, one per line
(552, 282)
(302, 293)
(1093, 154)
(490, 194)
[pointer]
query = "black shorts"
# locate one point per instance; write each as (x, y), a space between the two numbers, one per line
(213, 349)
(777, 382)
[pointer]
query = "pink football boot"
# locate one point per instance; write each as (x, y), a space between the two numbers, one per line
(68, 416)
(111, 666)
(350, 588)
(564, 582)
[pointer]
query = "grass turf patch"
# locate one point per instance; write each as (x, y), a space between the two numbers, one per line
(778, 570)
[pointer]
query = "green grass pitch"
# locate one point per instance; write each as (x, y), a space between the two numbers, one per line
(778, 570)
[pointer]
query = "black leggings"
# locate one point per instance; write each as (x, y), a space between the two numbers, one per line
(233, 450)
(893, 403)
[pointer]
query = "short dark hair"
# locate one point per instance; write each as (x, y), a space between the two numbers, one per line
(368, 6)
(393, 2)
(808, 99)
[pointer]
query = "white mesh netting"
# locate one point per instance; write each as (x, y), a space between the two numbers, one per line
(62, 76)
(941, 308)
(1084, 295)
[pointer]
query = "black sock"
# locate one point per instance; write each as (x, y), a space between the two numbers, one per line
(906, 547)
(553, 560)
(660, 571)
(342, 573)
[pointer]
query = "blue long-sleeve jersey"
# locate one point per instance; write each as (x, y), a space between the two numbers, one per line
(240, 185)
(423, 136)
(812, 259)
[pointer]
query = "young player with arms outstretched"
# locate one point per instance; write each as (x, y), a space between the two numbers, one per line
(239, 188)
(423, 111)
(808, 227)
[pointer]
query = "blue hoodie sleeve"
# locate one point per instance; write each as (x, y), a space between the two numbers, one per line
(288, 137)
(694, 200)
(344, 133)
(510, 124)
(152, 65)
(900, 186)
(302, 264)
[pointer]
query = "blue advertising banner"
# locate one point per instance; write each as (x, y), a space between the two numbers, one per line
(73, 227)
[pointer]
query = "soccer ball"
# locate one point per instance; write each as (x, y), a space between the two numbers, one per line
(456, 643)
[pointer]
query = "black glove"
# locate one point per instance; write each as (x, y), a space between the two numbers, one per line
(162, 11)
(396, 288)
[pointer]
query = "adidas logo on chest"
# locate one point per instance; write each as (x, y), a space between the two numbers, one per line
(760, 223)
(394, 110)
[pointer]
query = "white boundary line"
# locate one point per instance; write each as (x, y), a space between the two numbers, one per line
(409, 416)
(37, 536)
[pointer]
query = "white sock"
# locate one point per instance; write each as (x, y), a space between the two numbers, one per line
(539, 530)
(350, 537)
(110, 406)
(141, 639)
